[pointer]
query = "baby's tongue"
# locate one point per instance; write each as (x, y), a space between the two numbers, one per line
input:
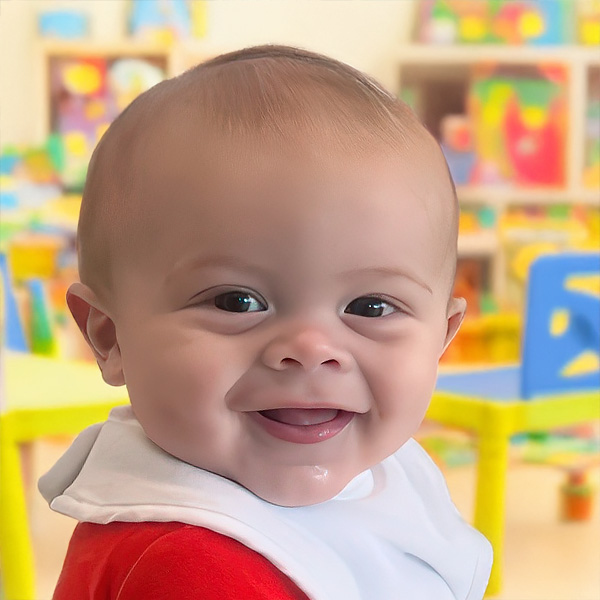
(300, 416)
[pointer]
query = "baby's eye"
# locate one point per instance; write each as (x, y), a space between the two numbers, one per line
(370, 306)
(239, 302)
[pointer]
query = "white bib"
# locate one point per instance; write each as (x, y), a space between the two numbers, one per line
(391, 534)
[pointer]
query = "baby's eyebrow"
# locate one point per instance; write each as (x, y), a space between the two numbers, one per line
(388, 272)
(216, 261)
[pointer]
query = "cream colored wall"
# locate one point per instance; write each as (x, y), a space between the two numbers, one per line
(364, 33)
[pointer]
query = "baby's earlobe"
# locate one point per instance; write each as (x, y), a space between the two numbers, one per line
(98, 330)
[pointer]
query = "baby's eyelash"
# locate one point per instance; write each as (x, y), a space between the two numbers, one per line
(229, 298)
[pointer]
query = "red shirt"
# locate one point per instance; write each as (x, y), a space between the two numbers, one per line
(166, 561)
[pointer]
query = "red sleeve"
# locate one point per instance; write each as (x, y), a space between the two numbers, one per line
(166, 561)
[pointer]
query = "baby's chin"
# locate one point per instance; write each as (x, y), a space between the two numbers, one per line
(299, 486)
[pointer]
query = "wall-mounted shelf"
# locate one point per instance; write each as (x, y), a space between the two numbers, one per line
(439, 76)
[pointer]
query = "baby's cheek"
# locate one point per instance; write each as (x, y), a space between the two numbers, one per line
(405, 381)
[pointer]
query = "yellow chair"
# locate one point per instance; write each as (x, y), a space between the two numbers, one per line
(40, 397)
(557, 383)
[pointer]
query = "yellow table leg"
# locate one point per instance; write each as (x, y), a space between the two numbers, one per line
(16, 554)
(491, 490)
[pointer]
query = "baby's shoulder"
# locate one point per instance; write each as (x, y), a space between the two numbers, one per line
(168, 560)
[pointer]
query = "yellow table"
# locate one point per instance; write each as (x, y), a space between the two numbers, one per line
(40, 397)
(494, 423)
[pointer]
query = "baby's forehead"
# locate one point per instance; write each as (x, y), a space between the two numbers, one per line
(195, 169)
(178, 142)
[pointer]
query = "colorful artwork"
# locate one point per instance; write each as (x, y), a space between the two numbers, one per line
(589, 22)
(519, 123)
(164, 21)
(87, 94)
(496, 21)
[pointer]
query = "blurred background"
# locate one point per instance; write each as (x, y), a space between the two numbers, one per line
(511, 89)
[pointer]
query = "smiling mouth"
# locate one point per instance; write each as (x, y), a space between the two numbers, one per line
(303, 425)
(301, 416)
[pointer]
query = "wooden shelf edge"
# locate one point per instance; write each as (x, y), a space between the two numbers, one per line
(512, 195)
(473, 54)
(82, 47)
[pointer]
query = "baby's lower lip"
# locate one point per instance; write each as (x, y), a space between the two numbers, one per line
(303, 426)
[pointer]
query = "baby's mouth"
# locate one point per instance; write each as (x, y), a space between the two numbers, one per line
(303, 425)
(301, 416)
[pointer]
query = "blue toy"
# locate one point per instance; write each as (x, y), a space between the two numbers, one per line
(63, 24)
(9, 159)
(461, 164)
(159, 18)
(14, 333)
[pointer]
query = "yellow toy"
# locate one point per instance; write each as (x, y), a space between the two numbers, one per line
(589, 22)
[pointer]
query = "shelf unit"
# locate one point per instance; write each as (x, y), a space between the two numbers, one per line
(425, 66)
(176, 59)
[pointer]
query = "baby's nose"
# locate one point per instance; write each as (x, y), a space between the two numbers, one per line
(308, 349)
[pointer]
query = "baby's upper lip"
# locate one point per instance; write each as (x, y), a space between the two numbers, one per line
(307, 405)
(258, 400)
(304, 416)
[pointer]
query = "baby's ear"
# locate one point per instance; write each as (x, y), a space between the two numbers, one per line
(456, 314)
(98, 330)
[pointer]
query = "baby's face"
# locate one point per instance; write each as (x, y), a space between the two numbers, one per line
(285, 325)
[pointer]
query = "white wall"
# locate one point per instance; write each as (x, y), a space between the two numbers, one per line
(364, 33)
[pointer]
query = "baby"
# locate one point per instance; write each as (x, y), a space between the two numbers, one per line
(267, 250)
